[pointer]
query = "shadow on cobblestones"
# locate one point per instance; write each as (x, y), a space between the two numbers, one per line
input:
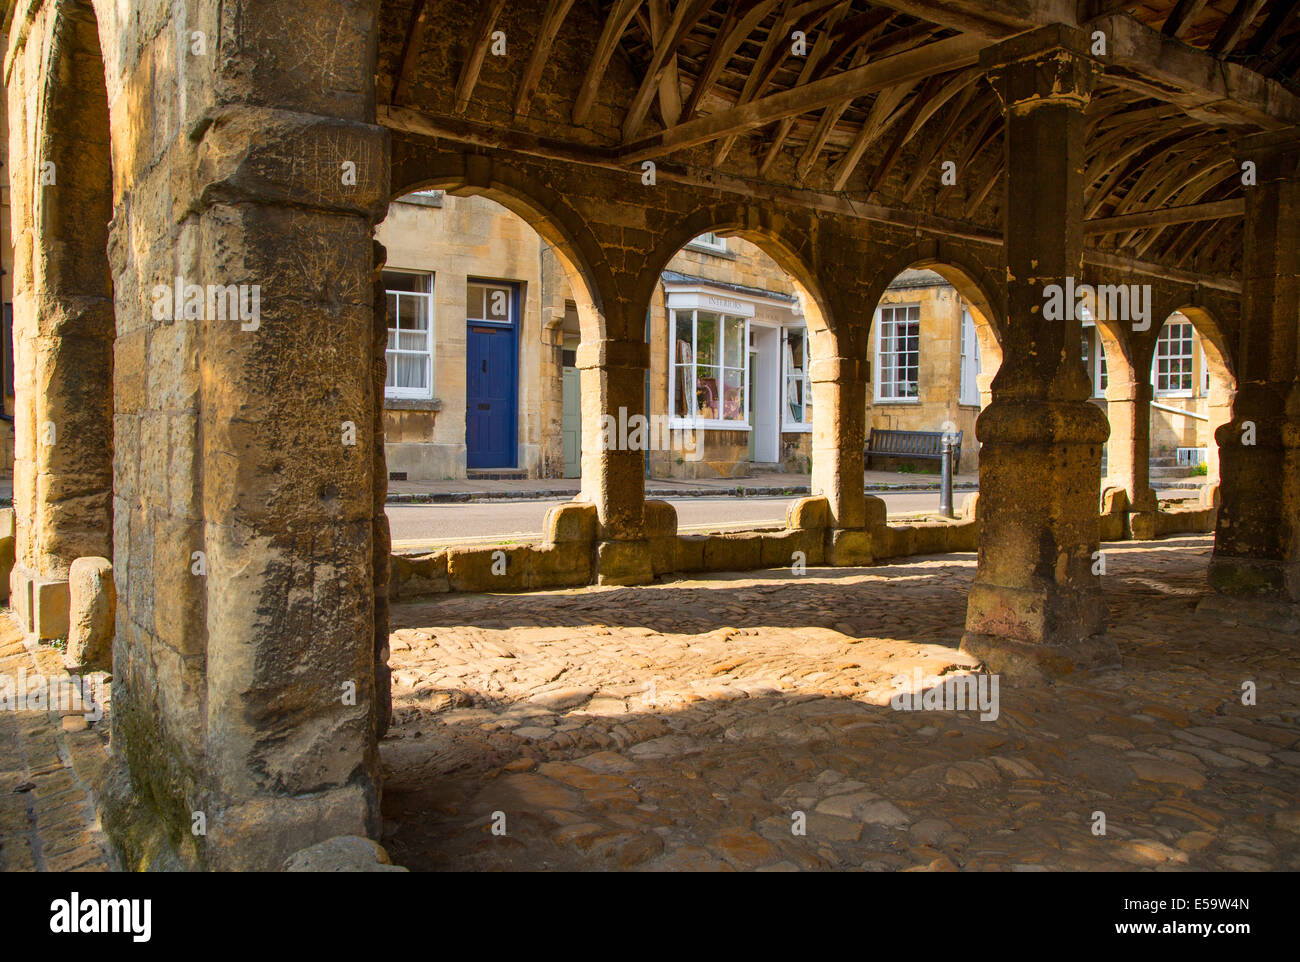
(744, 722)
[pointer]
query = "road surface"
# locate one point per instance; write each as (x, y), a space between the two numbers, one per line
(522, 520)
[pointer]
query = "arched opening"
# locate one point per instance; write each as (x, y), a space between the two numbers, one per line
(933, 351)
(734, 326)
(485, 309)
(64, 330)
(1192, 391)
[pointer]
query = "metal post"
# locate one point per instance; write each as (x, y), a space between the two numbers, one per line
(945, 481)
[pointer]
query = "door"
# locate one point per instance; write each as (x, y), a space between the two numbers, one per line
(491, 376)
(751, 400)
(571, 424)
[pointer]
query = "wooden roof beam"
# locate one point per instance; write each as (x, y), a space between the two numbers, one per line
(487, 18)
(556, 11)
(940, 57)
(610, 34)
(1164, 216)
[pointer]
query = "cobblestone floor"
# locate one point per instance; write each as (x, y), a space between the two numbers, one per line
(49, 761)
(684, 726)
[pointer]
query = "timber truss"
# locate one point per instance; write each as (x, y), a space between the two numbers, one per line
(856, 107)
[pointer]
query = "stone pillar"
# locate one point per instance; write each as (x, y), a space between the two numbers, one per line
(1257, 538)
(612, 374)
(1035, 608)
(245, 701)
(1128, 408)
(63, 325)
(381, 549)
(839, 388)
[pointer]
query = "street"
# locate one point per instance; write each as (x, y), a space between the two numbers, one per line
(417, 524)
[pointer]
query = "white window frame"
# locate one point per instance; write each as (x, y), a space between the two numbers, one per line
(1189, 355)
(1205, 374)
(409, 393)
(879, 372)
(693, 420)
(802, 376)
(710, 241)
(968, 389)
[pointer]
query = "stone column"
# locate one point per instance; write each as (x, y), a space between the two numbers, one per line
(245, 702)
(612, 374)
(1257, 539)
(1128, 408)
(63, 322)
(1036, 609)
(839, 434)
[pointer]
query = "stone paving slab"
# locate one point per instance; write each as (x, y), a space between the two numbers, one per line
(743, 724)
(51, 759)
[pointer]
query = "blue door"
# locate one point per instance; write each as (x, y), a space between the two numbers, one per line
(491, 381)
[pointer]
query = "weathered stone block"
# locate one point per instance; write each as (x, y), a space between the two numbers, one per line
(343, 853)
(494, 568)
(574, 521)
(690, 552)
(50, 608)
(812, 512)
(624, 563)
(849, 548)
(562, 565)
(661, 530)
(93, 603)
(412, 576)
(733, 552)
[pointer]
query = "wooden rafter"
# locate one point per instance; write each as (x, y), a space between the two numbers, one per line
(556, 11)
(686, 16)
(933, 59)
(615, 24)
(940, 135)
(415, 31)
(809, 71)
(1182, 17)
(886, 109)
(1238, 22)
(1164, 216)
(737, 25)
(487, 18)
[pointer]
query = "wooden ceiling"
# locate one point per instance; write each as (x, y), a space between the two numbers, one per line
(886, 91)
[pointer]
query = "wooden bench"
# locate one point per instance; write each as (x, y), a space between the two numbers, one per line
(926, 445)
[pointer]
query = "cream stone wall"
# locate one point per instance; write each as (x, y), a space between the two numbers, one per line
(719, 453)
(939, 373)
(466, 237)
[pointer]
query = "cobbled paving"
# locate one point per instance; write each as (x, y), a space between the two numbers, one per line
(51, 759)
(743, 722)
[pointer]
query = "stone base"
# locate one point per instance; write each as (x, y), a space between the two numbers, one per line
(42, 604)
(624, 563)
(1036, 663)
(1255, 578)
(849, 548)
(1279, 616)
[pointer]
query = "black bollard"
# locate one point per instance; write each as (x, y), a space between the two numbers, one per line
(945, 480)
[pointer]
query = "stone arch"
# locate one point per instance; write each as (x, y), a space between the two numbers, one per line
(1223, 382)
(777, 237)
(64, 320)
(972, 279)
(544, 210)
